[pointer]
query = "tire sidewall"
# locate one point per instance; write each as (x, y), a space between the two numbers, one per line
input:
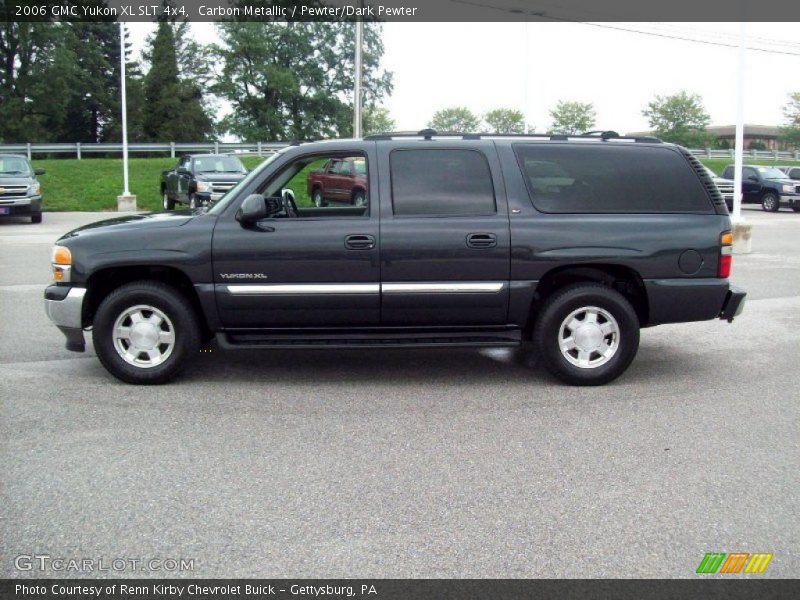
(319, 200)
(546, 333)
(169, 301)
(775, 206)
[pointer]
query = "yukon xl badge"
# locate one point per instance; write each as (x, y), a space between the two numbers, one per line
(243, 276)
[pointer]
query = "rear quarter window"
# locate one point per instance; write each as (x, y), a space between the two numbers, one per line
(610, 179)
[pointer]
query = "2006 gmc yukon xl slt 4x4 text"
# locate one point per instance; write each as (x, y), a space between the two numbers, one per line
(564, 246)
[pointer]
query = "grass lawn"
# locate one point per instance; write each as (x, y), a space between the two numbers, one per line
(93, 184)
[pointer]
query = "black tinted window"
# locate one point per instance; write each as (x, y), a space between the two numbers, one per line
(441, 182)
(607, 178)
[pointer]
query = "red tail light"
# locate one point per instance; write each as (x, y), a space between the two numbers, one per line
(725, 255)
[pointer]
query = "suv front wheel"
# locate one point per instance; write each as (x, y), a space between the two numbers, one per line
(145, 332)
(770, 202)
(586, 334)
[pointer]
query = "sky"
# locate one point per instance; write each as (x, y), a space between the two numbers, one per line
(530, 67)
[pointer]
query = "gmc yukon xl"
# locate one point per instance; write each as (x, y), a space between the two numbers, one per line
(561, 246)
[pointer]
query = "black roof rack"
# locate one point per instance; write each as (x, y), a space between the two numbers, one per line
(429, 134)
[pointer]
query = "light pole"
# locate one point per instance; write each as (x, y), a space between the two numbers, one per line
(358, 69)
(741, 229)
(125, 201)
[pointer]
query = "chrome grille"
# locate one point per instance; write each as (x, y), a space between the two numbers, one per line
(797, 189)
(10, 192)
(221, 187)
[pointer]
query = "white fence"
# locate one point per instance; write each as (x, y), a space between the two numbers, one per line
(172, 148)
(264, 148)
(760, 154)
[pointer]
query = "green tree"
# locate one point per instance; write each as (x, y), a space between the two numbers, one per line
(377, 120)
(790, 131)
(295, 80)
(572, 118)
(505, 120)
(680, 118)
(175, 110)
(457, 119)
(35, 71)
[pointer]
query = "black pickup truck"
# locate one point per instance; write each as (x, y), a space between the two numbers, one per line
(768, 186)
(559, 246)
(200, 179)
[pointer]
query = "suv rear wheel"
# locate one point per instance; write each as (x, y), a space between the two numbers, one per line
(586, 334)
(166, 201)
(145, 332)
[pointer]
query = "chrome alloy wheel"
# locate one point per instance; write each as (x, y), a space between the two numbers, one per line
(589, 337)
(143, 336)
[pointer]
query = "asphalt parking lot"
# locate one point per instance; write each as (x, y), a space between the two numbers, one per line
(407, 463)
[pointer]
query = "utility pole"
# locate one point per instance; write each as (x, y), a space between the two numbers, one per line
(126, 201)
(358, 69)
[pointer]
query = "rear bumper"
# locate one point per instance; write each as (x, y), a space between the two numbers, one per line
(685, 300)
(64, 307)
(733, 305)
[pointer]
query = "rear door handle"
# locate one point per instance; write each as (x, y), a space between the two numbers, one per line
(481, 240)
(359, 242)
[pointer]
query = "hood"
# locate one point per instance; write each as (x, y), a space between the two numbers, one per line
(220, 176)
(144, 222)
(16, 180)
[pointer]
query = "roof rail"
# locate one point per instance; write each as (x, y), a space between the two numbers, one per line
(429, 134)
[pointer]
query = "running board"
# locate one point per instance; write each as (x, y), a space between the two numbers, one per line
(375, 339)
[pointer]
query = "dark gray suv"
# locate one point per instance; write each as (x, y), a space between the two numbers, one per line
(20, 191)
(563, 247)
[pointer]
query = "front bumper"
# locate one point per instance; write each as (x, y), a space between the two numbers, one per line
(790, 199)
(206, 197)
(64, 307)
(21, 207)
(733, 305)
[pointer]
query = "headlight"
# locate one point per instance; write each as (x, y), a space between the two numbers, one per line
(35, 189)
(788, 188)
(203, 186)
(61, 260)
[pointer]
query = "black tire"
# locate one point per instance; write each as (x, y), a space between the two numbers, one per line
(168, 300)
(167, 202)
(36, 218)
(318, 198)
(770, 202)
(193, 203)
(556, 309)
(796, 208)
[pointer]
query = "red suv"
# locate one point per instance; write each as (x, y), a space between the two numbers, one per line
(339, 180)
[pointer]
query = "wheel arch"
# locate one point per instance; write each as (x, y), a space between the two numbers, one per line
(621, 278)
(104, 281)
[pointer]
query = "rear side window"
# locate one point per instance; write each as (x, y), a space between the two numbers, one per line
(610, 179)
(441, 183)
(727, 173)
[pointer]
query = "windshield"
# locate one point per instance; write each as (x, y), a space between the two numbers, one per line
(771, 173)
(218, 206)
(14, 165)
(218, 164)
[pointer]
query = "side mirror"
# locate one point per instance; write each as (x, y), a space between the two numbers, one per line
(39, 171)
(182, 170)
(252, 209)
